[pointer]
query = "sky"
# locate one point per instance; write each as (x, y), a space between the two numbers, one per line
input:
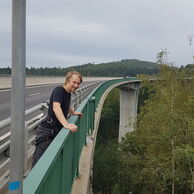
(64, 33)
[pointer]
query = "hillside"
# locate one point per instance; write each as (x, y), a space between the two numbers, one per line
(127, 67)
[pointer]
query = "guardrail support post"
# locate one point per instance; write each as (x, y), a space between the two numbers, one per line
(17, 96)
(44, 109)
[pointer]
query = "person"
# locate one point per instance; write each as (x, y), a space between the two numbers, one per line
(56, 119)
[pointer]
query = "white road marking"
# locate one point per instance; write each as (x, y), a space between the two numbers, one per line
(35, 94)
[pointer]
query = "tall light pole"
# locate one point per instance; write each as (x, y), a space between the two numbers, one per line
(18, 96)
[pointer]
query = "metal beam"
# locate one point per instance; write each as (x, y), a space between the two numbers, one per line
(17, 96)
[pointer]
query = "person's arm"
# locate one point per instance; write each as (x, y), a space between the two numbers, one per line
(72, 112)
(60, 116)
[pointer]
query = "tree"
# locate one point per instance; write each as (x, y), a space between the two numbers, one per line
(166, 130)
(158, 157)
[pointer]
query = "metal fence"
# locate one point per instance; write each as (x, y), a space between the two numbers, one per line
(56, 170)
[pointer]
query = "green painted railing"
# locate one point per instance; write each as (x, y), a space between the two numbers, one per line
(58, 167)
(103, 87)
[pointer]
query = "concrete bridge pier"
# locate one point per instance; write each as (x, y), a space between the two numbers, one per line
(128, 108)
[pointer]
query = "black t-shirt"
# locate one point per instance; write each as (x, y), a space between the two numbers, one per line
(60, 95)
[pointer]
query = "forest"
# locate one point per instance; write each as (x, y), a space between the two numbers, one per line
(127, 67)
(158, 156)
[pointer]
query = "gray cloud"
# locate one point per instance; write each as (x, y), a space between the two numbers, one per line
(69, 32)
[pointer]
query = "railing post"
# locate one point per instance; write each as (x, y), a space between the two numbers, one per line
(88, 119)
(92, 110)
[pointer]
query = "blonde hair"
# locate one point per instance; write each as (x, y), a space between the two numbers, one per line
(70, 74)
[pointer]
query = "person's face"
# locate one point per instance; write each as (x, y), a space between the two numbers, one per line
(73, 83)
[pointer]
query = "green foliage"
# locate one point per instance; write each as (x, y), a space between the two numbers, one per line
(128, 67)
(105, 168)
(145, 92)
(109, 122)
(165, 133)
(5, 71)
(158, 157)
(188, 70)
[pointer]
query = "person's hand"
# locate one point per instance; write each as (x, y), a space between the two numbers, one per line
(78, 114)
(71, 127)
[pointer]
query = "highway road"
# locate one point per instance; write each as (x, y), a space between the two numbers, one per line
(34, 96)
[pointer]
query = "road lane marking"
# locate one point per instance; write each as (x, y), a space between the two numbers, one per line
(35, 94)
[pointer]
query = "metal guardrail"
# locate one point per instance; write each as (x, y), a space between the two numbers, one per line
(31, 124)
(98, 93)
(54, 173)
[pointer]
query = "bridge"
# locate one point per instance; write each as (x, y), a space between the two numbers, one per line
(66, 165)
(60, 169)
